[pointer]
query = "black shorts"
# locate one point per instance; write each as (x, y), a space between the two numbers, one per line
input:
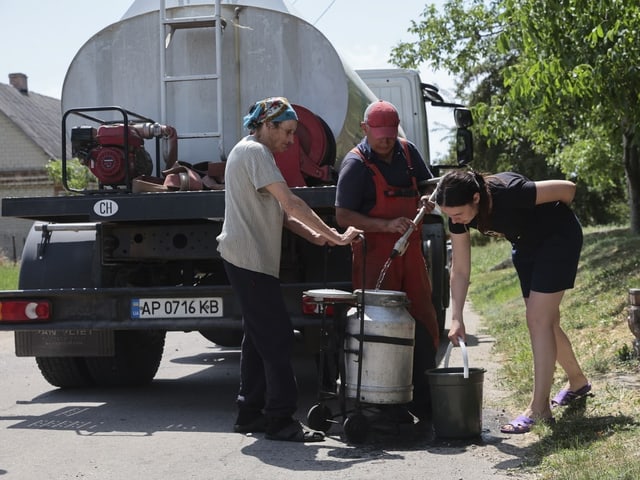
(551, 264)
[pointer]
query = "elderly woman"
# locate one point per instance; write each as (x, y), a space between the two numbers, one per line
(258, 203)
(547, 239)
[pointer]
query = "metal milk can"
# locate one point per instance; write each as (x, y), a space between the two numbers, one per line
(379, 339)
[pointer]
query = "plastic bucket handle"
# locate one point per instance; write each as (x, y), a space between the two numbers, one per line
(465, 357)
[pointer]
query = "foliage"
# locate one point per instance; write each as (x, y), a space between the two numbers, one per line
(8, 275)
(576, 66)
(78, 175)
(553, 86)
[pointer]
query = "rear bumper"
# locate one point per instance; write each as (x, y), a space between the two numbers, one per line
(111, 308)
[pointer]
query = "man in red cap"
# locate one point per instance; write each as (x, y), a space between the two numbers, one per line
(378, 192)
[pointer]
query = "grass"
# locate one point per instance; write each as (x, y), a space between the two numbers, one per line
(8, 275)
(598, 439)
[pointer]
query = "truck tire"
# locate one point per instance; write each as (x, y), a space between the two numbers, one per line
(135, 362)
(434, 249)
(65, 372)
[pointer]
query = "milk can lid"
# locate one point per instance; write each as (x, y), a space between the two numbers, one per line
(329, 294)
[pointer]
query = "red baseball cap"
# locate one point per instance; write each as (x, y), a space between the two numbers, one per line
(382, 119)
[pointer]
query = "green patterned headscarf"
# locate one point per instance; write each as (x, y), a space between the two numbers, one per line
(273, 109)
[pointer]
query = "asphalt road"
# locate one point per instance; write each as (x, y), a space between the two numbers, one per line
(179, 427)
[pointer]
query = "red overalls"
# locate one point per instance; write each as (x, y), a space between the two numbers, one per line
(407, 273)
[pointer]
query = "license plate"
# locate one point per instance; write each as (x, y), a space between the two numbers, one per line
(176, 307)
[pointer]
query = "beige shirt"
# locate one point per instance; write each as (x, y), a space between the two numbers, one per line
(251, 234)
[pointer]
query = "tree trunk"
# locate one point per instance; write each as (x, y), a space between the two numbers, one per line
(632, 170)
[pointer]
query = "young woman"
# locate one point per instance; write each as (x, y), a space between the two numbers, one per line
(546, 238)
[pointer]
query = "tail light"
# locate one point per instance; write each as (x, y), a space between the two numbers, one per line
(24, 310)
(310, 306)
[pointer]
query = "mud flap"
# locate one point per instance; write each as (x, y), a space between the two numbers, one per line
(64, 343)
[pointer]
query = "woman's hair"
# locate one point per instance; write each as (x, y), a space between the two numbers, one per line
(457, 187)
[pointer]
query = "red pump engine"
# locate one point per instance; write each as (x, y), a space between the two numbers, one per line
(103, 151)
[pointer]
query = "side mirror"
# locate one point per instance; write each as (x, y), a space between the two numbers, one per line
(463, 117)
(464, 146)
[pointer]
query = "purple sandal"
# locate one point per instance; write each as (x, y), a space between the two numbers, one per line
(566, 396)
(523, 424)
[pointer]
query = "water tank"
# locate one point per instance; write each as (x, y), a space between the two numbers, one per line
(266, 50)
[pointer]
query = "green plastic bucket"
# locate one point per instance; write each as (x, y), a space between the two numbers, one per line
(456, 398)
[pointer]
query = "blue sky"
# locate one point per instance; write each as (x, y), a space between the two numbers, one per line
(40, 38)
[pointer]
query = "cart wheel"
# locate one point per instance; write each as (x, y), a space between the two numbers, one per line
(318, 418)
(356, 428)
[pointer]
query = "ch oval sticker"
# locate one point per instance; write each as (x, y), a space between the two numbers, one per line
(105, 208)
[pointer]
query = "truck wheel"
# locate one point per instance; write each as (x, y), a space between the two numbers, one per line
(223, 338)
(65, 372)
(135, 362)
(440, 286)
(434, 250)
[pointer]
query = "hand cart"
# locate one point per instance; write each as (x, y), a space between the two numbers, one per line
(345, 336)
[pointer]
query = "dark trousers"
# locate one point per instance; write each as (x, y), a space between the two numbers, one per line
(267, 379)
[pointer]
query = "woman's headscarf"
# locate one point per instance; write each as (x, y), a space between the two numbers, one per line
(273, 109)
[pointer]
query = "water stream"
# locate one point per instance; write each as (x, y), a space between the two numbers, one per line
(383, 272)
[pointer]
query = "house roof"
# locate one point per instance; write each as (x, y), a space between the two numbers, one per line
(38, 116)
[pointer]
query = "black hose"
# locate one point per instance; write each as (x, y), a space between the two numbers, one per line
(361, 312)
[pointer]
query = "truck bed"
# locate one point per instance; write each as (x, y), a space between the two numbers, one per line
(93, 283)
(165, 206)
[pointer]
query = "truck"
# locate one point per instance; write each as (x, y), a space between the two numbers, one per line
(108, 269)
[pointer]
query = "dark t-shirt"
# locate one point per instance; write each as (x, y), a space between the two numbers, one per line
(356, 190)
(514, 213)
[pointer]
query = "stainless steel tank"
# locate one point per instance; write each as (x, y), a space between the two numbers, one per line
(266, 50)
(387, 339)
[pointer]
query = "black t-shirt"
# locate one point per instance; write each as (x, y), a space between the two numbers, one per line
(515, 215)
(356, 190)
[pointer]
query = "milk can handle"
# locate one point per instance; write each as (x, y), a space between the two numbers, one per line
(392, 302)
(465, 358)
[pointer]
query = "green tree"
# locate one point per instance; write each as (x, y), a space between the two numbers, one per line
(579, 58)
(554, 80)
